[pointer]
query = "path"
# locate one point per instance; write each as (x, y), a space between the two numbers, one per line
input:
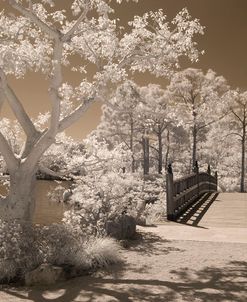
(191, 267)
(218, 218)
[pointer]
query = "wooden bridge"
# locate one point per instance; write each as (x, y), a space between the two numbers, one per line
(194, 201)
(185, 192)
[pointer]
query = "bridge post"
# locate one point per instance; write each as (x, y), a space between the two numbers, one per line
(196, 171)
(216, 179)
(209, 173)
(169, 193)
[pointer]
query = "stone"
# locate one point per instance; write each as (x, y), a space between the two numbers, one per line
(122, 228)
(45, 274)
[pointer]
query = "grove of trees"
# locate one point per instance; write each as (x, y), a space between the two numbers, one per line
(118, 170)
(35, 37)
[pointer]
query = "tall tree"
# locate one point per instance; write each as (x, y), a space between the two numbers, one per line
(36, 37)
(199, 100)
(238, 126)
(158, 114)
(119, 121)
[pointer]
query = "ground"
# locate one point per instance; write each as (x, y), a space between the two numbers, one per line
(156, 269)
(204, 261)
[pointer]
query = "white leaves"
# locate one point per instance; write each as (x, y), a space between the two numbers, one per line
(111, 73)
(49, 2)
(23, 48)
(59, 16)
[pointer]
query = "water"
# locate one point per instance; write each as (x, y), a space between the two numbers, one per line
(46, 211)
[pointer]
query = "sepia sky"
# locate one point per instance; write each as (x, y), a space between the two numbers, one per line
(224, 42)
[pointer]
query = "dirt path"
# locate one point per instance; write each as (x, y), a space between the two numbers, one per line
(157, 269)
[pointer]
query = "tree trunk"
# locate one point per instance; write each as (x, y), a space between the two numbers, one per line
(160, 152)
(132, 145)
(145, 146)
(242, 189)
(20, 202)
(194, 147)
(167, 149)
(194, 134)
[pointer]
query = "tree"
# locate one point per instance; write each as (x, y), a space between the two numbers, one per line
(38, 38)
(238, 125)
(199, 100)
(222, 151)
(119, 120)
(158, 115)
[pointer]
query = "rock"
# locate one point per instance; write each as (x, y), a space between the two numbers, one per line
(122, 228)
(141, 221)
(124, 243)
(45, 274)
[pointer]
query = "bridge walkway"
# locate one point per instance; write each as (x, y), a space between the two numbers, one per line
(215, 217)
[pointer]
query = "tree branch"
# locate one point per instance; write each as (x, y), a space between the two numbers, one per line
(48, 171)
(75, 115)
(7, 153)
(237, 116)
(17, 107)
(213, 121)
(31, 16)
(47, 138)
(66, 37)
(56, 83)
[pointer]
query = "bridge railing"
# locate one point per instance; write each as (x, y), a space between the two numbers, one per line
(183, 192)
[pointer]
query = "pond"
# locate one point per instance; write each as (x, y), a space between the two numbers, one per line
(46, 210)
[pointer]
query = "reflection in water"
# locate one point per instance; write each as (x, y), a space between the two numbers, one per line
(46, 211)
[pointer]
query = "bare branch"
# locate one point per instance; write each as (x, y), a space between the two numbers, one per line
(17, 107)
(48, 137)
(48, 171)
(75, 115)
(213, 121)
(236, 115)
(7, 153)
(56, 83)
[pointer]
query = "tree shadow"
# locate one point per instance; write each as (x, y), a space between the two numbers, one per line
(216, 284)
(195, 213)
(148, 243)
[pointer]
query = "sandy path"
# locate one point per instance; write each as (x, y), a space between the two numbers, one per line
(157, 269)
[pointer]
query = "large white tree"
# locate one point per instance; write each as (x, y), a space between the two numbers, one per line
(36, 37)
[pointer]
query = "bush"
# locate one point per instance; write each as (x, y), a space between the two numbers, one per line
(99, 199)
(61, 247)
(155, 212)
(102, 198)
(102, 251)
(19, 250)
(24, 248)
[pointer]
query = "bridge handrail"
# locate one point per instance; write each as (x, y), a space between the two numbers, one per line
(183, 192)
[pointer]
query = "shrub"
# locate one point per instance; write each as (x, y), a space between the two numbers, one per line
(155, 212)
(101, 198)
(60, 246)
(102, 251)
(24, 248)
(19, 250)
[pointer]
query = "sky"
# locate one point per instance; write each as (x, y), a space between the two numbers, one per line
(224, 43)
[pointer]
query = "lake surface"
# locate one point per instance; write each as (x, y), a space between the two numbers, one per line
(46, 210)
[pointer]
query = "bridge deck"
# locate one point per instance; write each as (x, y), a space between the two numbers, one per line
(228, 210)
(223, 210)
(217, 218)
